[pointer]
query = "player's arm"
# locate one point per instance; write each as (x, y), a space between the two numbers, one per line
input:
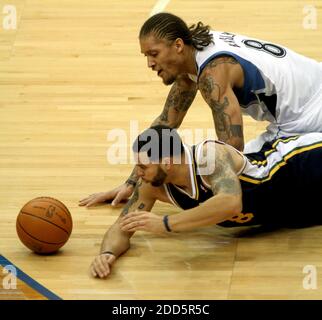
(226, 202)
(179, 100)
(116, 241)
(215, 84)
(224, 205)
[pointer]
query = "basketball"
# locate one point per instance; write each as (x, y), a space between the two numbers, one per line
(44, 225)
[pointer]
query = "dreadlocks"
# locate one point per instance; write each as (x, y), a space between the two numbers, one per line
(168, 26)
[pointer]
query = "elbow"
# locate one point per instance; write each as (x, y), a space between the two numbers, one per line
(238, 144)
(161, 120)
(241, 146)
(235, 206)
(175, 125)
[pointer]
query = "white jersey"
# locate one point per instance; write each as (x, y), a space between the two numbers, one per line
(280, 85)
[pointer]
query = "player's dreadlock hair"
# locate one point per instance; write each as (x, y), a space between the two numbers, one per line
(168, 26)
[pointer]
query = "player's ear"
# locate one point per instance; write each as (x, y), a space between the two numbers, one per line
(179, 44)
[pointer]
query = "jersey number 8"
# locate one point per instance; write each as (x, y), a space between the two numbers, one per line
(270, 48)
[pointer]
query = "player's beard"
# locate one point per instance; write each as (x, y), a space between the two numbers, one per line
(159, 179)
(169, 81)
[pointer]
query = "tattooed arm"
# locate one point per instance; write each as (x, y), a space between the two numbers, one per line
(226, 202)
(215, 84)
(118, 241)
(179, 100)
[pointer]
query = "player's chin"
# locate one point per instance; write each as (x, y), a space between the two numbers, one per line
(168, 81)
(156, 184)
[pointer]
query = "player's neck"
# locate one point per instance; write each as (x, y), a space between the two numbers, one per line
(181, 175)
(191, 66)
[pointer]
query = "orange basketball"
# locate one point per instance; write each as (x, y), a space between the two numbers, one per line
(44, 225)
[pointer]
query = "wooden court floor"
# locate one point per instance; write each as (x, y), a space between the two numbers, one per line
(70, 73)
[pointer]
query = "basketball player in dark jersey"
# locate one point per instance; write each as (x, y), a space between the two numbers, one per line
(214, 184)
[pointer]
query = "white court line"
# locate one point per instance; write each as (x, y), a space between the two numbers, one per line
(159, 6)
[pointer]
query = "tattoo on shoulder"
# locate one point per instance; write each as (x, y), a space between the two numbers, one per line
(221, 60)
(224, 178)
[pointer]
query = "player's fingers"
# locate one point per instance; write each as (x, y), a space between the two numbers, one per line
(86, 200)
(118, 198)
(105, 262)
(125, 223)
(133, 217)
(83, 201)
(91, 203)
(134, 229)
(132, 226)
(88, 197)
(111, 259)
(99, 268)
(93, 272)
(110, 195)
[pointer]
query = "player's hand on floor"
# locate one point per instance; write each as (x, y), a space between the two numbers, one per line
(102, 265)
(94, 199)
(121, 193)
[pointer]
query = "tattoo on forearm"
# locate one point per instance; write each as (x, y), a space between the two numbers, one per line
(141, 206)
(133, 177)
(178, 100)
(165, 113)
(133, 199)
(236, 130)
(185, 100)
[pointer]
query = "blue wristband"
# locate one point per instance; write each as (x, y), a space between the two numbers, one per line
(166, 223)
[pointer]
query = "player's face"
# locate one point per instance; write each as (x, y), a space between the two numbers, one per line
(152, 173)
(163, 57)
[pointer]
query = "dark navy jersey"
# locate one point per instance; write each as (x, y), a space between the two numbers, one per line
(281, 184)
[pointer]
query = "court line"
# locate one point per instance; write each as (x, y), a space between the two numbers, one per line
(159, 6)
(29, 281)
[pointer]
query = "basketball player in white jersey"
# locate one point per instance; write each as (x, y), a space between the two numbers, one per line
(234, 74)
(214, 183)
